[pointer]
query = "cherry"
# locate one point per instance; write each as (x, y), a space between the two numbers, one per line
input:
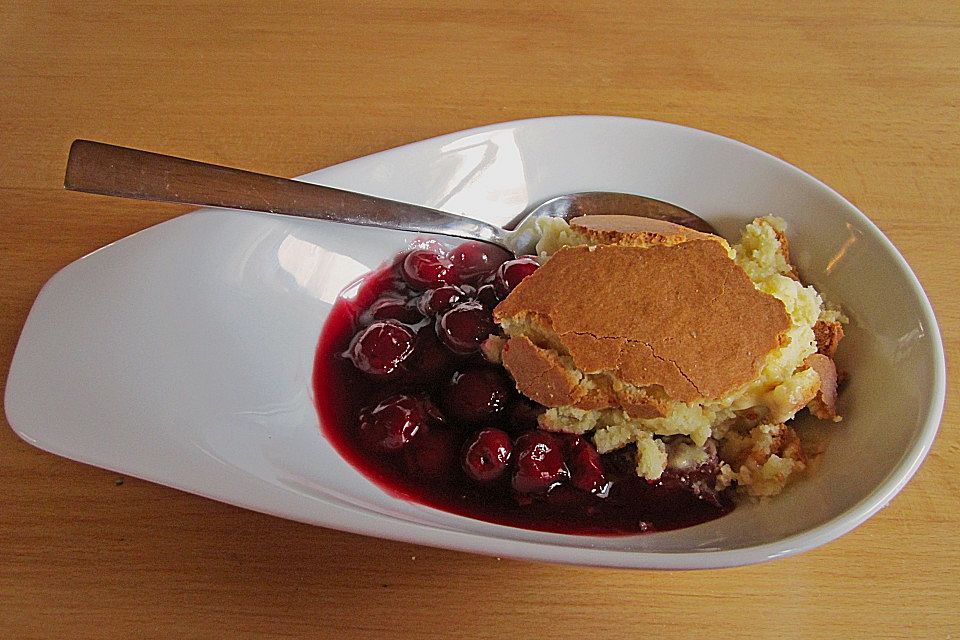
(382, 348)
(464, 327)
(586, 467)
(538, 462)
(474, 260)
(524, 414)
(393, 423)
(568, 441)
(430, 360)
(434, 301)
(395, 308)
(433, 454)
(512, 272)
(487, 296)
(424, 269)
(477, 395)
(487, 455)
(700, 480)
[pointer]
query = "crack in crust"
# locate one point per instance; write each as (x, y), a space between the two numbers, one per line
(621, 357)
(546, 377)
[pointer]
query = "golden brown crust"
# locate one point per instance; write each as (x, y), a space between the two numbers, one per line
(690, 320)
(640, 405)
(600, 396)
(828, 335)
(592, 354)
(824, 404)
(641, 366)
(634, 231)
(539, 374)
(544, 378)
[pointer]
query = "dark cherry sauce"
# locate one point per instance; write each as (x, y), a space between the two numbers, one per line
(631, 505)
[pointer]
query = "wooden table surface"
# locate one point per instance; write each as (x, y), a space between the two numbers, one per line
(865, 96)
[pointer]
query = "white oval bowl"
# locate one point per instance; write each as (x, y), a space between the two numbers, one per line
(183, 354)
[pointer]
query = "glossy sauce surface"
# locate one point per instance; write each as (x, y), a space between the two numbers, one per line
(629, 505)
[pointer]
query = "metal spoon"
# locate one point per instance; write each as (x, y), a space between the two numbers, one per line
(106, 169)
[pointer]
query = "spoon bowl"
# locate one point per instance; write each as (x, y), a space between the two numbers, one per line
(523, 238)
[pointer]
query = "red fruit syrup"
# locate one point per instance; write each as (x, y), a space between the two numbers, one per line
(406, 398)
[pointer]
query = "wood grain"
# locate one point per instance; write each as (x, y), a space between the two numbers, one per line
(865, 96)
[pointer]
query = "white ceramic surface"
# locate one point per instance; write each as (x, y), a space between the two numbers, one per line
(183, 354)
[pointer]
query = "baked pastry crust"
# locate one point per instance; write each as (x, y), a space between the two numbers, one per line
(589, 336)
(828, 335)
(635, 231)
(689, 326)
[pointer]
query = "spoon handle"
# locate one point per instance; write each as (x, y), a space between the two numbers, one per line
(106, 169)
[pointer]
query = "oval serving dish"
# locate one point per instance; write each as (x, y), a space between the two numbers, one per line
(183, 354)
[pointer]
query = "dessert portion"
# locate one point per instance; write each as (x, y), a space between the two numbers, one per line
(639, 328)
(641, 333)
(407, 393)
(632, 377)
